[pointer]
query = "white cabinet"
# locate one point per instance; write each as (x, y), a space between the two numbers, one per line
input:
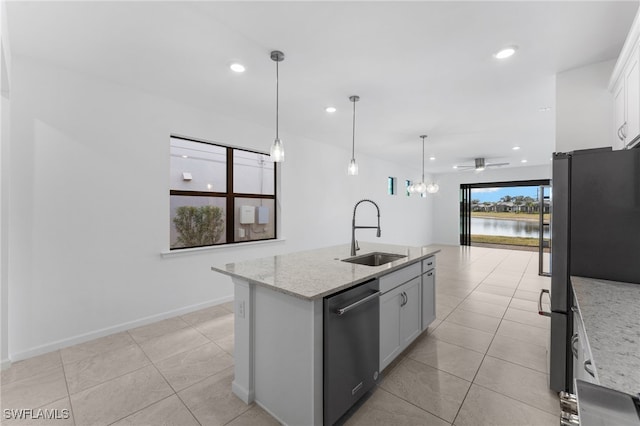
(428, 298)
(400, 319)
(583, 367)
(625, 86)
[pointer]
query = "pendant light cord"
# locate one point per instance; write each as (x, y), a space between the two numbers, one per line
(277, 98)
(423, 158)
(353, 138)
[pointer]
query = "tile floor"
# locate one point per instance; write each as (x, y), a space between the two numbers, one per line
(482, 362)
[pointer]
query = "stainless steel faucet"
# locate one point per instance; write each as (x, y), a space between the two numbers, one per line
(354, 227)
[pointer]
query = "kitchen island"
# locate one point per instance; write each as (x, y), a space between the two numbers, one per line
(279, 320)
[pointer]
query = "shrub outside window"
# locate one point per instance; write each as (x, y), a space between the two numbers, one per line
(219, 194)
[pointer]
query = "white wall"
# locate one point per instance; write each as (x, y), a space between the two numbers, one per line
(446, 209)
(5, 115)
(584, 107)
(89, 211)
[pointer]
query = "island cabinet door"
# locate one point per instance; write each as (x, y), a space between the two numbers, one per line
(410, 315)
(390, 326)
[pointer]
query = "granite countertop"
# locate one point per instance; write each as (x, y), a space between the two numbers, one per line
(610, 312)
(314, 274)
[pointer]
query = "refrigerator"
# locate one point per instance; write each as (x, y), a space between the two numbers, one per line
(595, 232)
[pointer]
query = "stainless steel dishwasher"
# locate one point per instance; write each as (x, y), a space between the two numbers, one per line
(351, 347)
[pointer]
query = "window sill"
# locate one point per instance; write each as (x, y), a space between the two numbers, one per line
(181, 252)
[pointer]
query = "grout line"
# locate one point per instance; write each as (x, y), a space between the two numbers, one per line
(66, 383)
(143, 408)
(522, 402)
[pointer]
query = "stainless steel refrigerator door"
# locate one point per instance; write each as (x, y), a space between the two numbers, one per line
(560, 230)
(560, 364)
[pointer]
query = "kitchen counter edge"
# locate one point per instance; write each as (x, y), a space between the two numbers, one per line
(376, 272)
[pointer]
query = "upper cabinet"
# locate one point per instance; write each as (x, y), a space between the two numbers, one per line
(625, 86)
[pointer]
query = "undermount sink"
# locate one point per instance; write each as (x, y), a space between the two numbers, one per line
(374, 259)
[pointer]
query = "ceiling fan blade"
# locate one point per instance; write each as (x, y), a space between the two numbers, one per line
(463, 167)
(496, 164)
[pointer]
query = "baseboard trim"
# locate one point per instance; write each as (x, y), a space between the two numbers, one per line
(81, 338)
(242, 393)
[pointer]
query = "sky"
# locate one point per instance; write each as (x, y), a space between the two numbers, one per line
(494, 194)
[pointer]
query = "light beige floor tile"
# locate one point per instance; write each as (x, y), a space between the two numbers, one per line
(463, 336)
(459, 292)
(529, 318)
(57, 413)
(524, 305)
(524, 333)
(217, 328)
(95, 347)
(456, 360)
(442, 311)
(146, 332)
(432, 390)
(204, 315)
(483, 308)
(384, 409)
(113, 400)
(485, 407)
(34, 391)
(211, 400)
(173, 343)
(474, 320)
(497, 290)
(187, 368)
(534, 284)
(445, 299)
(226, 343)
(493, 299)
(98, 369)
(521, 383)
(526, 295)
(229, 306)
(254, 416)
(167, 412)
(31, 367)
(519, 352)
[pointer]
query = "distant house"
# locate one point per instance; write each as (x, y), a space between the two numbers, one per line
(504, 206)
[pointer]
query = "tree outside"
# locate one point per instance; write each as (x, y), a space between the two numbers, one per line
(198, 226)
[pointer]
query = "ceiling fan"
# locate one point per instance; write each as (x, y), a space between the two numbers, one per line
(479, 165)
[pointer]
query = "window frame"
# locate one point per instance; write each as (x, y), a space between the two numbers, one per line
(229, 195)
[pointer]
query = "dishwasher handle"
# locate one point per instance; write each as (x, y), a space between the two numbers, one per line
(341, 311)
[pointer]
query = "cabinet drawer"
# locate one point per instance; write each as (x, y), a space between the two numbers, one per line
(401, 276)
(428, 264)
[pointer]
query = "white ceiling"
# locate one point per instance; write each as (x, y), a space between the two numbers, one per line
(418, 67)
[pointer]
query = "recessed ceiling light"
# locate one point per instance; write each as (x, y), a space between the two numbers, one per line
(432, 158)
(185, 156)
(523, 161)
(544, 109)
(506, 52)
(515, 148)
(236, 67)
(330, 109)
(455, 167)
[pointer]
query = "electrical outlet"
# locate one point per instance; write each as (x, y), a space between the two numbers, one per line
(240, 309)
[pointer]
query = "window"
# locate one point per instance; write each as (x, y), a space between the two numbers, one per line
(391, 185)
(219, 194)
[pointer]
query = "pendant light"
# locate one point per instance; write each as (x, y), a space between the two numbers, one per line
(422, 187)
(277, 149)
(353, 166)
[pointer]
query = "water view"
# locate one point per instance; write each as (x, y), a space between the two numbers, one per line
(507, 215)
(506, 227)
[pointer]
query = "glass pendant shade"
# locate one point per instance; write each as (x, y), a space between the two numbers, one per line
(421, 187)
(353, 167)
(277, 151)
(432, 188)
